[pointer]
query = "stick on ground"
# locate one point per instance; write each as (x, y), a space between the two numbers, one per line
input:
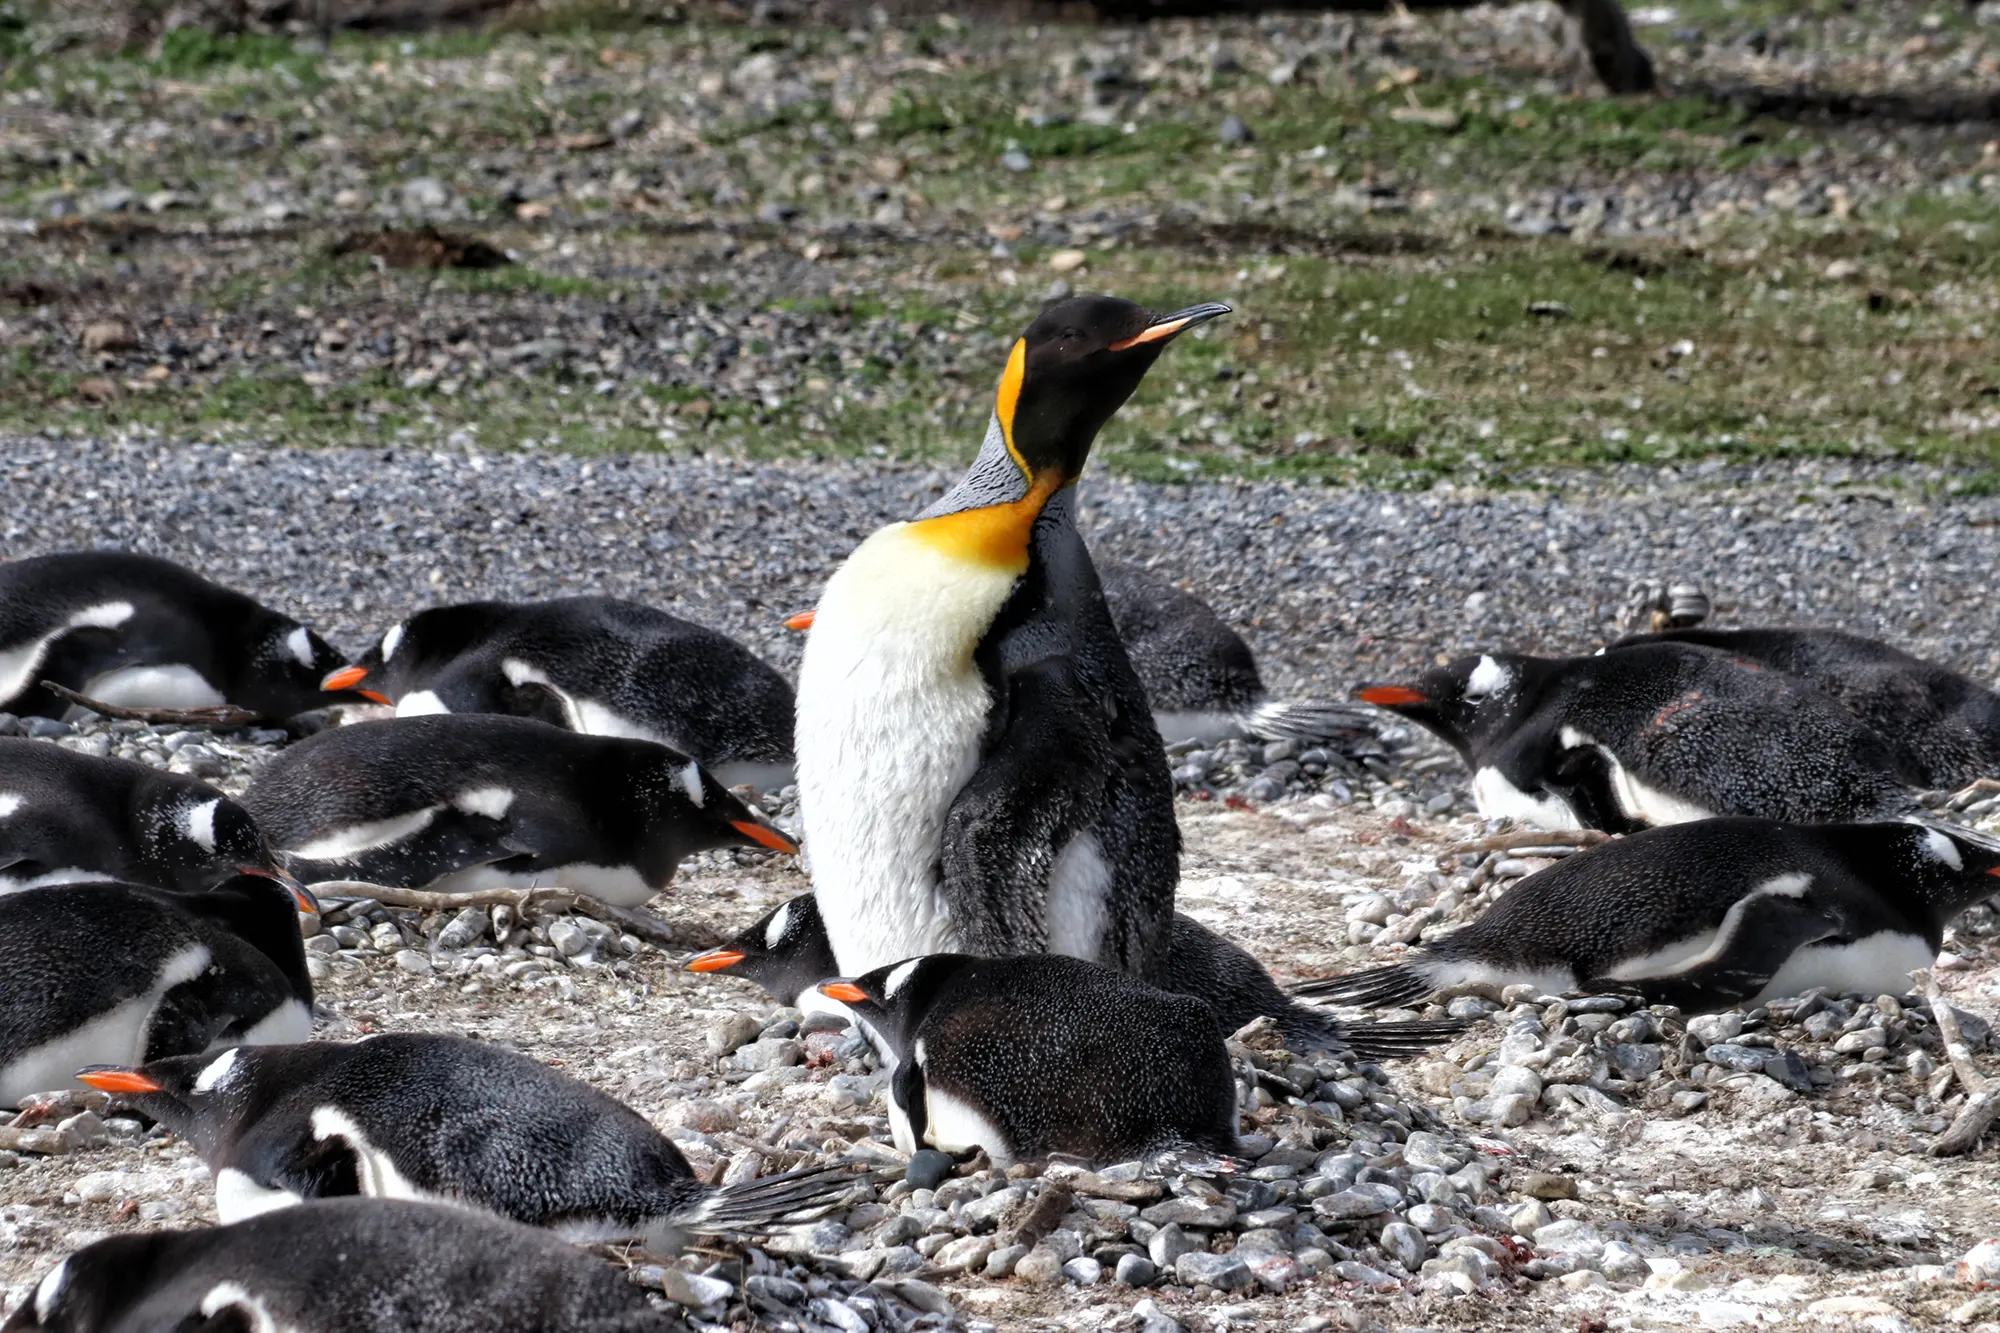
(223, 717)
(1982, 1094)
(553, 898)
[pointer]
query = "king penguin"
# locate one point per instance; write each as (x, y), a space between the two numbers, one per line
(343, 1266)
(977, 762)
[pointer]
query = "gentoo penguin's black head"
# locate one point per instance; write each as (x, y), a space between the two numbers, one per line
(93, 1288)
(286, 671)
(1949, 866)
(1075, 366)
(433, 635)
(786, 952)
(181, 1091)
(1468, 703)
(198, 839)
(891, 1001)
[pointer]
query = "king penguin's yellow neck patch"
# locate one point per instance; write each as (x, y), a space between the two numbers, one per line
(994, 535)
(1008, 397)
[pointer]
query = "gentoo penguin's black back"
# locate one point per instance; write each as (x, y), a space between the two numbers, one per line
(409, 801)
(1944, 727)
(786, 952)
(1187, 658)
(1713, 913)
(339, 1266)
(116, 974)
(1652, 734)
(139, 630)
(442, 1117)
(592, 664)
(1034, 1055)
(70, 818)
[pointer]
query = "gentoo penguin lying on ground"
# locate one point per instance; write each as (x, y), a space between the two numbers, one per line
(1943, 727)
(597, 665)
(787, 953)
(457, 802)
(117, 974)
(343, 1266)
(142, 632)
(67, 818)
(978, 766)
(1029, 1056)
(1711, 914)
(1659, 733)
(425, 1116)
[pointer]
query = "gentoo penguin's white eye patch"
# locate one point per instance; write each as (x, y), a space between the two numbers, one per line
(216, 1071)
(234, 1296)
(392, 641)
(1939, 847)
(491, 802)
(49, 1290)
(9, 803)
(1489, 677)
(301, 645)
(199, 823)
(776, 930)
(899, 977)
(691, 780)
(109, 615)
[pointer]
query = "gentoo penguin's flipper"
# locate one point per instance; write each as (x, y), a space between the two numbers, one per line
(1005, 829)
(451, 840)
(1315, 720)
(1373, 988)
(1766, 930)
(1399, 1041)
(757, 1204)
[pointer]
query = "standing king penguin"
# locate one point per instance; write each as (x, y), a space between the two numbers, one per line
(978, 767)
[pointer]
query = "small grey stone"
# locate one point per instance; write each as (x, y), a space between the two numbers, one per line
(1135, 1270)
(1015, 160)
(1191, 1213)
(928, 1167)
(425, 194)
(465, 929)
(966, 1254)
(568, 938)
(1041, 1266)
(1348, 1205)
(416, 964)
(1168, 1244)
(1234, 131)
(1224, 1272)
(1635, 1062)
(1084, 1271)
(693, 1290)
(1713, 1029)
(1405, 1244)
(1790, 1069)
(730, 1034)
(1002, 1261)
(1749, 1059)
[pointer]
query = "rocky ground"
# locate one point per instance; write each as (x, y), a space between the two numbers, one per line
(1562, 1162)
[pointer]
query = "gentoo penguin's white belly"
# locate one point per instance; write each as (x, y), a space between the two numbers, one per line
(621, 886)
(154, 687)
(1879, 964)
(70, 875)
(1639, 799)
(21, 663)
(1204, 726)
(115, 1037)
(1497, 798)
(891, 710)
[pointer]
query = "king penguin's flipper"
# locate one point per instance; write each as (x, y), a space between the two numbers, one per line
(1745, 956)
(1007, 825)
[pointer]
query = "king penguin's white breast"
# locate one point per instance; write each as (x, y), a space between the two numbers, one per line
(891, 710)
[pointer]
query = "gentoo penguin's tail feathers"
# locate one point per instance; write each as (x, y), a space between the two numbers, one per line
(756, 1204)
(1374, 988)
(1401, 1041)
(1305, 721)
(1176, 1156)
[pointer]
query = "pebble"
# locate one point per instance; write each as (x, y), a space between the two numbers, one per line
(693, 1290)
(1980, 1264)
(1224, 1272)
(928, 1167)
(414, 963)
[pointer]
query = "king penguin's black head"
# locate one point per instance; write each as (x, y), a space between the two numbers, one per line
(1073, 368)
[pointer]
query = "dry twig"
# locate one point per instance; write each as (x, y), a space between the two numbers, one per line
(1982, 1094)
(224, 717)
(549, 899)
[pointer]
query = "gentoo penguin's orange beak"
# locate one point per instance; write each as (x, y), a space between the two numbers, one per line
(1994, 871)
(764, 834)
(844, 991)
(1390, 696)
(116, 1078)
(302, 897)
(800, 620)
(346, 678)
(715, 960)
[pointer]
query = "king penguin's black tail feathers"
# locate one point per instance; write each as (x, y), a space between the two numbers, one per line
(758, 1204)
(1306, 721)
(1375, 988)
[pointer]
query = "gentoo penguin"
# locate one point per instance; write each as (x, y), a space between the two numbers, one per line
(342, 1266)
(426, 1116)
(118, 974)
(787, 953)
(978, 766)
(1944, 728)
(1043, 1054)
(143, 632)
(1712, 914)
(596, 665)
(459, 802)
(1659, 733)
(67, 817)
(1199, 674)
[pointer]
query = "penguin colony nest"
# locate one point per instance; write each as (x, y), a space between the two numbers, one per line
(1518, 1163)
